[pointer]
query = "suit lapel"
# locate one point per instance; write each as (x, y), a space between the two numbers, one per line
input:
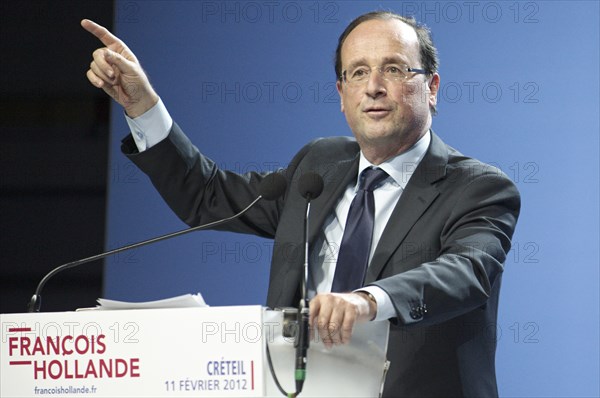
(418, 195)
(335, 180)
(338, 165)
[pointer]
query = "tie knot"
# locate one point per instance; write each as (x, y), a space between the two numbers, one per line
(370, 178)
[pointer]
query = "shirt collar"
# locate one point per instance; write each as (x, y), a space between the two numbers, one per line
(402, 166)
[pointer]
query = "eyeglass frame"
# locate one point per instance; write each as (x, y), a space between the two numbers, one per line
(380, 69)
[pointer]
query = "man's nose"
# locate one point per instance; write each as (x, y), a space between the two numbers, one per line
(376, 85)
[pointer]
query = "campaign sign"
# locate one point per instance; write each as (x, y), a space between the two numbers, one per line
(182, 352)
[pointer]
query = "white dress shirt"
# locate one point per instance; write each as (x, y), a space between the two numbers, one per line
(154, 126)
(400, 168)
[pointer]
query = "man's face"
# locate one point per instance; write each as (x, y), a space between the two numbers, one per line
(382, 113)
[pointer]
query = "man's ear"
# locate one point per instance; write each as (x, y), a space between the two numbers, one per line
(338, 85)
(434, 86)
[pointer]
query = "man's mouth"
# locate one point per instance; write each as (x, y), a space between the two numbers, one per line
(377, 111)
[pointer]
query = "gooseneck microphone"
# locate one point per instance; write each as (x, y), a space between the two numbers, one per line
(310, 186)
(271, 187)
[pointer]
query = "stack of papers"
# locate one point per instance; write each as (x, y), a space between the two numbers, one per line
(184, 301)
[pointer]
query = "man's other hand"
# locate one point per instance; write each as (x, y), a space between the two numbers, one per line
(334, 315)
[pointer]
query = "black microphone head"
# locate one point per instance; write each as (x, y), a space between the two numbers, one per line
(310, 185)
(272, 186)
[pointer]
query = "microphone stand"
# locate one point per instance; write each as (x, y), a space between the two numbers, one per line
(303, 340)
(36, 300)
(310, 186)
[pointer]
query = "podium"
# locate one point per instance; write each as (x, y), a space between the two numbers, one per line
(179, 352)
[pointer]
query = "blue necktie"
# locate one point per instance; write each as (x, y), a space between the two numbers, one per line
(353, 257)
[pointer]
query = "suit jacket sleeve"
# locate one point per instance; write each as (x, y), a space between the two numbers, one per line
(198, 191)
(463, 240)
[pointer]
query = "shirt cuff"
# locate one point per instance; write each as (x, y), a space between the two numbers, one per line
(151, 127)
(385, 308)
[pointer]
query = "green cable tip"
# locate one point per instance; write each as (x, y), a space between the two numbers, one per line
(300, 374)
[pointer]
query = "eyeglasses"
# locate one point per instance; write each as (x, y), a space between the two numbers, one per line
(391, 73)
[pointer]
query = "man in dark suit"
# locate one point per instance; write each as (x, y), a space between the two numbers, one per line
(439, 232)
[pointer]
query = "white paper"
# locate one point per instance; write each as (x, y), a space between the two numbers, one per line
(184, 301)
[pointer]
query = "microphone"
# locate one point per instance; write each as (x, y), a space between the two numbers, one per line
(271, 187)
(310, 186)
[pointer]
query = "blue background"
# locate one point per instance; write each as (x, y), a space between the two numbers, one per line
(251, 82)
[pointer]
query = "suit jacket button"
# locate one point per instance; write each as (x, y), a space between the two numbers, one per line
(414, 314)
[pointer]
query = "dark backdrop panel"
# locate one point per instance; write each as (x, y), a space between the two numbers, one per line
(53, 152)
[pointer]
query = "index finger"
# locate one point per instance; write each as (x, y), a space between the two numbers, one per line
(313, 310)
(101, 33)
